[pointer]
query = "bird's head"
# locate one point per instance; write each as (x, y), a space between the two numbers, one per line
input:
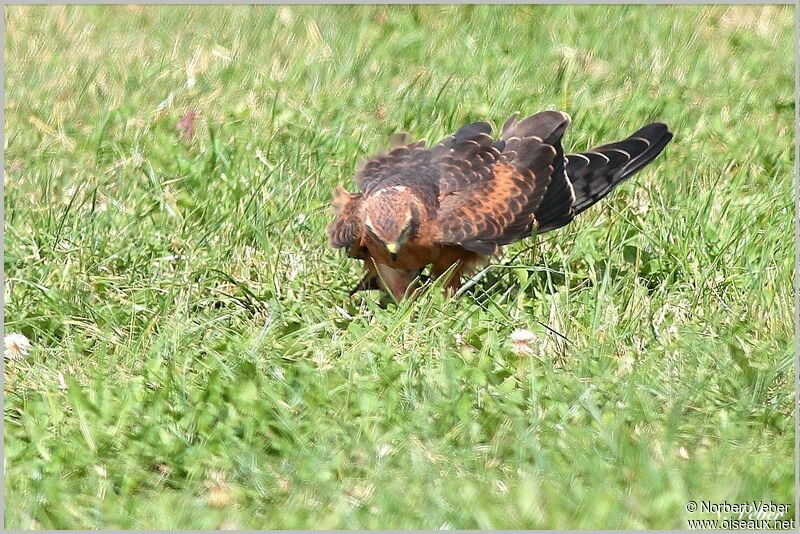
(392, 218)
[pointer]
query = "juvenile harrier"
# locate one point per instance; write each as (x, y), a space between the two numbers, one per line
(460, 200)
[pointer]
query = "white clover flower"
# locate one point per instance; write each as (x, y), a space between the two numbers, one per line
(522, 342)
(16, 346)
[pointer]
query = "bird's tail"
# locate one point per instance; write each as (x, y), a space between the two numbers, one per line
(593, 174)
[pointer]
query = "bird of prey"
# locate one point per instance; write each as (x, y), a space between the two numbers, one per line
(457, 202)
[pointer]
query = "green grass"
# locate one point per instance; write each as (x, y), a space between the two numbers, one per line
(197, 363)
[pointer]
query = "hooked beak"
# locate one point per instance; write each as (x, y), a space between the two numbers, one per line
(392, 249)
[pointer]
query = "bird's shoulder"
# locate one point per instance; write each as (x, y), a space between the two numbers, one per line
(345, 229)
(406, 165)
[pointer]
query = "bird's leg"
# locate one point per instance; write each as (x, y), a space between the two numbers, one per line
(396, 280)
(370, 279)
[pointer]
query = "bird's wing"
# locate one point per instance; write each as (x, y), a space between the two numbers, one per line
(392, 167)
(465, 158)
(455, 162)
(492, 200)
(345, 230)
(482, 193)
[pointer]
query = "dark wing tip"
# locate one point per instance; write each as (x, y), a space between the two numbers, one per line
(471, 131)
(548, 125)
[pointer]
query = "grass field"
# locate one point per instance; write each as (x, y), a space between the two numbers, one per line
(196, 362)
